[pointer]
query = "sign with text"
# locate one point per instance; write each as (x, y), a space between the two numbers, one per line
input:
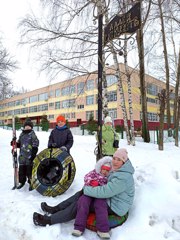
(125, 23)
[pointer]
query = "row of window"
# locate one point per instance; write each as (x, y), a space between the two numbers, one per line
(153, 89)
(154, 117)
(64, 91)
(70, 103)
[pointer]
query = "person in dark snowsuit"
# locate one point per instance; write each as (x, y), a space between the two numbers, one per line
(28, 144)
(61, 136)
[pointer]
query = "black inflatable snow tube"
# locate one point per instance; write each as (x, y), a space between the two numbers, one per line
(53, 172)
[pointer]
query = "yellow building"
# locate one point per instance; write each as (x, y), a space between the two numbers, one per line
(76, 99)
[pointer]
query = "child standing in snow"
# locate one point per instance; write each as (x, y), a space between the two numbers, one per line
(28, 144)
(61, 136)
(97, 177)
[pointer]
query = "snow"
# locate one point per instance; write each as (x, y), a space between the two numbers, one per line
(155, 213)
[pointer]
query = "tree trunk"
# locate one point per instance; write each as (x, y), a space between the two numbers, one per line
(177, 125)
(127, 73)
(145, 131)
(166, 65)
(162, 100)
(176, 119)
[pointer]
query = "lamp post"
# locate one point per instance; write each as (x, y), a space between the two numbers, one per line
(100, 70)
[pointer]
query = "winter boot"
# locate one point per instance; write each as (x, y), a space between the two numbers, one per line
(21, 185)
(104, 235)
(49, 209)
(76, 233)
(41, 220)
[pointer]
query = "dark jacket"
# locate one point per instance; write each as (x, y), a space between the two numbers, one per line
(28, 143)
(61, 137)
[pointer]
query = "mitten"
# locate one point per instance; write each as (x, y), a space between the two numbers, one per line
(94, 183)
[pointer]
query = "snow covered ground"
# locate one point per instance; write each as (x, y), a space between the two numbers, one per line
(155, 214)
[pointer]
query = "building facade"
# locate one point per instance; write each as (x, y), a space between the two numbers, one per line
(76, 99)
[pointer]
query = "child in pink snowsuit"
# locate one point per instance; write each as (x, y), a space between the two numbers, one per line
(86, 204)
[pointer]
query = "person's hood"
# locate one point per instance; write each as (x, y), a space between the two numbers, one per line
(101, 162)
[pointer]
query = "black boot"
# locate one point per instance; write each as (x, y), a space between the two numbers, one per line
(21, 185)
(49, 209)
(41, 220)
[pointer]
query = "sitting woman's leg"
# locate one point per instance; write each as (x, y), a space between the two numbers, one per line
(59, 217)
(65, 215)
(63, 205)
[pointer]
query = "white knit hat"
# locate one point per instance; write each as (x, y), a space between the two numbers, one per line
(108, 119)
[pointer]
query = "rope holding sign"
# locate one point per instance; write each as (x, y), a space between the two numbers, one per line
(53, 172)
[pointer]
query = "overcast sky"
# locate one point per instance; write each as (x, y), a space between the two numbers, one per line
(11, 11)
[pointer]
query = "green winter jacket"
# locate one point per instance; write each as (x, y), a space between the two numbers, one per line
(119, 190)
(108, 136)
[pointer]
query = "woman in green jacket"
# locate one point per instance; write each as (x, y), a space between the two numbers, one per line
(108, 136)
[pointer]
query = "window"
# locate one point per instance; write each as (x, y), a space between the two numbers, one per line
(68, 90)
(89, 114)
(42, 107)
(51, 116)
(80, 106)
(57, 92)
(112, 113)
(80, 88)
(51, 105)
(90, 100)
(24, 110)
(17, 111)
(33, 99)
(152, 89)
(17, 103)
(112, 96)
(51, 93)
(153, 117)
(73, 115)
(43, 96)
(153, 100)
(68, 103)
(90, 84)
(24, 101)
(33, 109)
(111, 79)
(67, 115)
(57, 105)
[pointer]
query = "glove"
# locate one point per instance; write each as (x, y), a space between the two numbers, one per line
(13, 140)
(17, 144)
(63, 148)
(33, 154)
(94, 183)
(53, 145)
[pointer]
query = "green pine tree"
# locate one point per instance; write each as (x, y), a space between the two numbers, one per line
(44, 123)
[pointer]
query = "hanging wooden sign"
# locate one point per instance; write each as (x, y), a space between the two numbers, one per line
(125, 23)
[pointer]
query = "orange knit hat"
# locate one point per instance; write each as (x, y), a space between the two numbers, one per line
(60, 118)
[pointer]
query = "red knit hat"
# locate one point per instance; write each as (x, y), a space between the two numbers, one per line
(106, 166)
(60, 118)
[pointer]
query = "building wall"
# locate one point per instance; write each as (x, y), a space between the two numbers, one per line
(47, 102)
